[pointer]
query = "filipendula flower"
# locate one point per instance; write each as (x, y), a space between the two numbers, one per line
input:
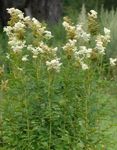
(54, 65)
(113, 61)
(25, 58)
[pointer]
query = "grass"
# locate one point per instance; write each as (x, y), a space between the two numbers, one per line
(109, 97)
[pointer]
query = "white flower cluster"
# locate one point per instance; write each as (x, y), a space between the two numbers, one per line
(16, 45)
(102, 41)
(76, 47)
(54, 65)
(80, 33)
(76, 32)
(70, 46)
(16, 30)
(18, 26)
(83, 52)
(92, 14)
(15, 12)
(107, 34)
(35, 50)
(100, 45)
(82, 55)
(78, 38)
(113, 62)
(25, 58)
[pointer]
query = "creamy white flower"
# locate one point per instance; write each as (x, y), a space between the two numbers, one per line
(15, 11)
(48, 50)
(113, 61)
(8, 30)
(37, 24)
(27, 19)
(99, 44)
(88, 52)
(54, 65)
(80, 33)
(66, 24)
(85, 36)
(69, 28)
(25, 58)
(92, 14)
(106, 31)
(83, 52)
(79, 28)
(101, 49)
(18, 26)
(35, 50)
(84, 66)
(107, 36)
(48, 34)
(16, 45)
(70, 46)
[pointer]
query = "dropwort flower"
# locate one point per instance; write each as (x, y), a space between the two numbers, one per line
(113, 61)
(54, 65)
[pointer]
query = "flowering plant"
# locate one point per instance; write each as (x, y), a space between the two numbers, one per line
(52, 88)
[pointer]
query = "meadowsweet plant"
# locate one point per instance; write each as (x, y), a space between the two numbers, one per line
(51, 91)
(83, 46)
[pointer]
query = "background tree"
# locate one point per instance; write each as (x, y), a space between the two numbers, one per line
(48, 10)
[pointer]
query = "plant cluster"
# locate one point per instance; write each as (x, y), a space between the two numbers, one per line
(48, 95)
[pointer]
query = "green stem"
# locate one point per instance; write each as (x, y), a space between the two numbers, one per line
(88, 87)
(27, 115)
(38, 68)
(50, 109)
(28, 126)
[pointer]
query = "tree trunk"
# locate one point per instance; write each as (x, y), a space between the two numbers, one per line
(48, 10)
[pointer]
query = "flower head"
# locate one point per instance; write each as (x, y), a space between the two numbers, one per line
(113, 61)
(25, 58)
(92, 14)
(54, 65)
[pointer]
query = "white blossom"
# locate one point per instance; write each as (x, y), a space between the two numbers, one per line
(65, 24)
(80, 33)
(83, 52)
(8, 30)
(106, 31)
(84, 66)
(16, 45)
(113, 61)
(27, 19)
(70, 46)
(15, 11)
(48, 34)
(92, 14)
(18, 26)
(100, 45)
(107, 35)
(25, 58)
(54, 65)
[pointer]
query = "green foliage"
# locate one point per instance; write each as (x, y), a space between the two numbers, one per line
(43, 110)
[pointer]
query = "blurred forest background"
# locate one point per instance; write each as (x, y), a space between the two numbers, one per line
(52, 10)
